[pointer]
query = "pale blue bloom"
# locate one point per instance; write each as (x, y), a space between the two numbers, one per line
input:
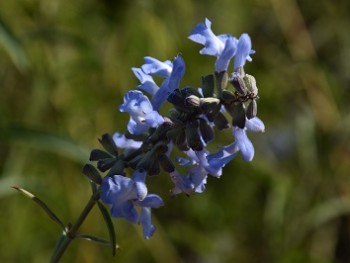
(142, 115)
(122, 142)
(147, 82)
(169, 84)
(154, 66)
(244, 50)
(121, 194)
(172, 72)
(241, 144)
(223, 47)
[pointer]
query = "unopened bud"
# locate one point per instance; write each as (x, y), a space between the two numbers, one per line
(192, 101)
(252, 109)
(250, 83)
(239, 84)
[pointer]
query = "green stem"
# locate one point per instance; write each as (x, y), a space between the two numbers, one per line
(72, 231)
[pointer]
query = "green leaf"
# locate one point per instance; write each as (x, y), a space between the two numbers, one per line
(13, 46)
(107, 217)
(44, 141)
(44, 206)
(91, 172)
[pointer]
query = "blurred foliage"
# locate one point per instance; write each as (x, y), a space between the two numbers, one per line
(64, 67)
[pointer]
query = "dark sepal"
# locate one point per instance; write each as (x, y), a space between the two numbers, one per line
(238, 116)
(165, 163)
(108, 143)
(91, 172)
(221, 80)
(206, 131)
(208, 85)
(117, 168)
(105, 164)
(220, 121)
(154, 168)
(98, 154)
(192, 136)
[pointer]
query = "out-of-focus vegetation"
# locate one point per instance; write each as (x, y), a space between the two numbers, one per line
(64, 67)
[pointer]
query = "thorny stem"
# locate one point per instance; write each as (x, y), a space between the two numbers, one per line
(71, 231)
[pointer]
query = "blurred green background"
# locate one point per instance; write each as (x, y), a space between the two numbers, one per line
(64, 67)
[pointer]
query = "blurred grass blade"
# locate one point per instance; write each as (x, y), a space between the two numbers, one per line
(110, 226)
(45, 141)
(96, 240)
(41, 203)
(13, 46)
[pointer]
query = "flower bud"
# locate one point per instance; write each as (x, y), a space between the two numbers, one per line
(250, 83)
(239, 84)
(192, 101)
(252, 109)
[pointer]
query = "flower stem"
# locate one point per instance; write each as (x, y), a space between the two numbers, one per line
(72, 231)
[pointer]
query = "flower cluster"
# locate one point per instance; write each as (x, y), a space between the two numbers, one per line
(224, 100)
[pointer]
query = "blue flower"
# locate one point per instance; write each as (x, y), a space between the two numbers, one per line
(244, 50)
(122, 142)
(223, 47)
(241, 144)
(123, 194)
(172, 72)
(142, 115)
(169, 84)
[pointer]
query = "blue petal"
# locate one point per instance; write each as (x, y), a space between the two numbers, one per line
(151, 200)
(154, 119)
(198, 178)
(169, 84)
(122, 142)
(203, 34)
(153, 66)
(147, 82)
(244, 144)
(224, 58)
(125, 210)
(255, 125)
(146, 221)
(182, 183)
(117, 189)
(139, 178)
(244, 49)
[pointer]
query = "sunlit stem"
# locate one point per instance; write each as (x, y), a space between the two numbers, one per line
(72, 230)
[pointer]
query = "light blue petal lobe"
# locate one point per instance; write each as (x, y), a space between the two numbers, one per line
(153, 66)
(244, 144)
(139, 178)
(255, 125)
(151, 200)
(170, 84)
(122, 142)
(226, 55)
(243, 51)
(154, 119)
(146, 221)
